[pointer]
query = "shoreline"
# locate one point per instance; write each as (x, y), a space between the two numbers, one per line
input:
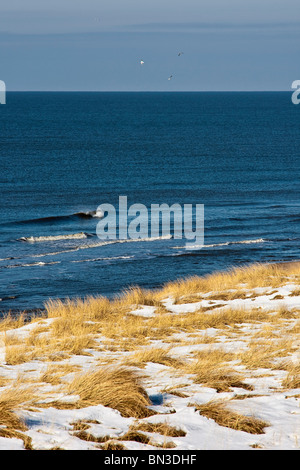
(205, 363)
(40, 311)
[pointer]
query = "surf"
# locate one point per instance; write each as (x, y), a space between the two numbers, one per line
(50, 238)
(216, 245)
(52, 219)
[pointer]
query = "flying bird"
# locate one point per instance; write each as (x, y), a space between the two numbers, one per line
(142, 62)
(179, 54)
(170, 77)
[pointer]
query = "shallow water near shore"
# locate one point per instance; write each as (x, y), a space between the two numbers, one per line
(64, 154)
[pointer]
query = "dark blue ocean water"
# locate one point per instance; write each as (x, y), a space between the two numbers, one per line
(62, 154)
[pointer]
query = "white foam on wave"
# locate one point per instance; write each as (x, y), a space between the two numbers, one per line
(99, 214)
(101, 243)
(214, 245)
(127, 240)
(72, 236)
(112, 258)
(241, 242)
(26, 265)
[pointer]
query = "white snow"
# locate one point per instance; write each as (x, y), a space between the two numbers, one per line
(52, 428)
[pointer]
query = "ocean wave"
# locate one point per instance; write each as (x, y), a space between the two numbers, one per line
(129, 240)
(98, 214)
(241, 242)
(57, 218)
(50, 238)
(99, 244)
(214, 245)
(26, 265)
(111, 258)
(8, 297)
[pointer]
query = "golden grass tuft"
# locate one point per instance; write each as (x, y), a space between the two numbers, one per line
(188, 299)
(112, 445)
(223, 416)
(136, 296)
(86, 436)
(13, 434)
(175, 391)
(4, 381)
(161, 428)
(11, 400)
(156, 355)
(55, 373)
(16, 354)
(255, 275)
(80, 425)
(214, 356)
(292, 380)
(210, 370)
(295, 292)
(125, 326)
(92, 308)
(10, 322)
(100, 308)
(75, 325)
(262, 355)
(117, 388)
(136, 436)
(220, 378)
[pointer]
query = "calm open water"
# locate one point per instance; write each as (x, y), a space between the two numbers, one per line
(64, 154)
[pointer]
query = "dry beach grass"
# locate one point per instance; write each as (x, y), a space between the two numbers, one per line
(199, 344)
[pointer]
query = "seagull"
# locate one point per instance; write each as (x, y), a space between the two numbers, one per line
(142, 62)
(170, 77)
(180, 53)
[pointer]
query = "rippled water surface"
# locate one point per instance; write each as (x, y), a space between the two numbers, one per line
(64, 154)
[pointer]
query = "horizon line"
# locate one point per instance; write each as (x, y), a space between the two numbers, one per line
(148, 91)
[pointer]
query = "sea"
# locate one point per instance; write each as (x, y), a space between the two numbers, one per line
(64, 154)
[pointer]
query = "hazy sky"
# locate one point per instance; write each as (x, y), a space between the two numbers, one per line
(97, 44)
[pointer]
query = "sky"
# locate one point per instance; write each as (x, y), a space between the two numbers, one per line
(97, 45)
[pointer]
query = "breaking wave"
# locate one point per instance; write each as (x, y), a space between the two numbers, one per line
(91, 245)
(99, 214)
(25, 265)
(58, 218)
(108, 258)
(214, 245)
(50, 238)
(242, 242)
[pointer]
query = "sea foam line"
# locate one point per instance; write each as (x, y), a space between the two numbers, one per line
(72, 236)
(112, 258)
(101, 243)
(214, 245)
(26, 265)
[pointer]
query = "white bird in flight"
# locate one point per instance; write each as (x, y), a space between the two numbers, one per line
(142, 62)
(170, 77)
